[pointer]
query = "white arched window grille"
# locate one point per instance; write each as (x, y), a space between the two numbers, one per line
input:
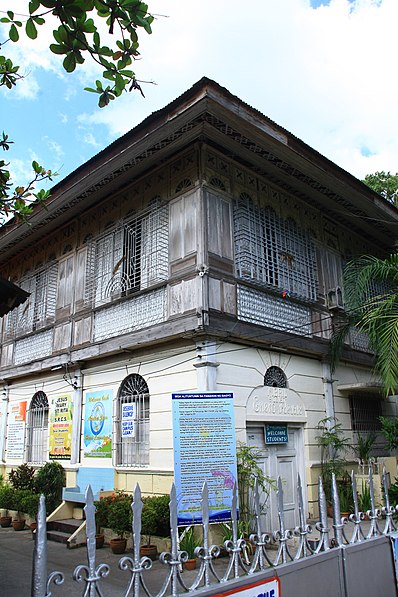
(37, 429)
(132, 422)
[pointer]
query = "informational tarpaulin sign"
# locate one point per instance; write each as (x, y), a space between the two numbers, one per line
(98, 424)
(204, 450)
(276, 434)
(394, 545)
(262, 588)
(60, 427)
(16, 430)
(129, 420)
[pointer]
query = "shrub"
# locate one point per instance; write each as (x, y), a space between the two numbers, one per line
(6, 496)
(120, 514)
(102, 506)
(29, 504)
(160, 505)
(49, 480)
(22, 477)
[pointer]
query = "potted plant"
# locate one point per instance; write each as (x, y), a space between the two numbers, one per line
(102, 508)
(29, 504)
(344, 489)
(148, 528)
(249, 471)
(333, 446)
(6, 500)
(19, 495)
(119, 520)
(189, 543)
(49, 480)
(364, 447)
(364, 500)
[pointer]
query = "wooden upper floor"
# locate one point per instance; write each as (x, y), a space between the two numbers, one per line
(205, 220)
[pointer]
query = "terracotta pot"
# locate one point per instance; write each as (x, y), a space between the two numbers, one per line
(118, 545)
(18, 525)
(149, 551)
(5, 521)
(99, 540)
(190, 564)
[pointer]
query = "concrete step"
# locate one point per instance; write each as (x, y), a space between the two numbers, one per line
(58, 536)
(61, 530)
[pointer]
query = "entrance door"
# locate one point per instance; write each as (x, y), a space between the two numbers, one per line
(279, 460)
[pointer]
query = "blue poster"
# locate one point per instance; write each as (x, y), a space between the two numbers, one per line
(98, 424)
(204, 450)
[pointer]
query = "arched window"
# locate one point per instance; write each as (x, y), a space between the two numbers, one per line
(275, 378)
(132, 422)
(37, 429)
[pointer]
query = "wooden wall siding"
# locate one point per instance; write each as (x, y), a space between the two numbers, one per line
(133, 314)
(62, 336)
(66, 285)
(82, 331)
(7, 354)
(219, 226)
(80, 278)
(184, 296)
(222, 296)
(278, 313)
(184, 222)
(34, 347)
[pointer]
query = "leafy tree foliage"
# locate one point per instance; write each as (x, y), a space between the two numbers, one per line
(384, 183)
(371, 299)
(77, 37)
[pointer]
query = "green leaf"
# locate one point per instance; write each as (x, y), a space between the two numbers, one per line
(31, 30)
(14, 35)
(10, 14)
(39, 20)
(69, 62)
(58, 49)
(33, 6)
(36, 167)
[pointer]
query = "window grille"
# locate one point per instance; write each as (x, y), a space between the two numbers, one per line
(37, 429)
(275, 378)
(365, 413)
(39, 309)
(274, 312)
(130, 257)
(132, 422)
(273, 252)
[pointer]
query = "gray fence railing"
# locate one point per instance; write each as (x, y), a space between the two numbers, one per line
(271, 551)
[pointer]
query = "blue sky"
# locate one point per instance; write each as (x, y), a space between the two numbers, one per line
(323, 69)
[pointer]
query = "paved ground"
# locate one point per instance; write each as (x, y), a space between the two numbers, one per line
(16, 550)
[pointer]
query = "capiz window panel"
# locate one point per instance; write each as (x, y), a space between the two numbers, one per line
(273, 252)
(130, 256)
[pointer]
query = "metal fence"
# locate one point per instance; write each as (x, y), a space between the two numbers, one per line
(363, 536)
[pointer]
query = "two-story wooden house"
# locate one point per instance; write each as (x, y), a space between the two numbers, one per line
(203, 250)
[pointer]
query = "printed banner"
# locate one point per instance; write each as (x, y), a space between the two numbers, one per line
(129, 420)
(98, 424)
(16, 430)
(60, 427)
(204, 450)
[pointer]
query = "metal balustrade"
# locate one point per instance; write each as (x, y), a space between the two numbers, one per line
(270, 550)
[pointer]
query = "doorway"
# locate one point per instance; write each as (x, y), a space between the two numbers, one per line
(282, 460)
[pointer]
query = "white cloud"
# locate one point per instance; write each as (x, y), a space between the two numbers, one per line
(325, 74)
